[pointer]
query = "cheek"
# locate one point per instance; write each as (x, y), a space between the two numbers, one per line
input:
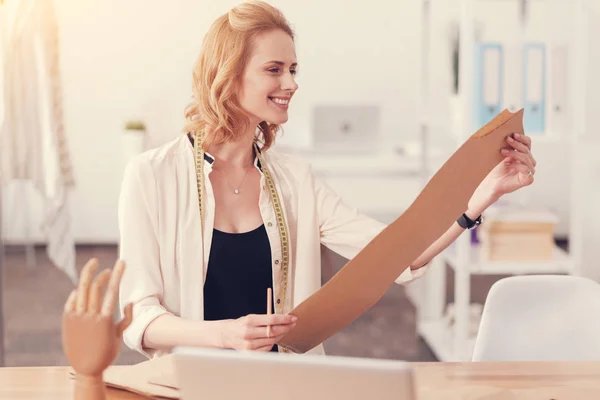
(270, 86)
(252, 91)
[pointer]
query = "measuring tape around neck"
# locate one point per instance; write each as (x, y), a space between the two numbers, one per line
(275, 201)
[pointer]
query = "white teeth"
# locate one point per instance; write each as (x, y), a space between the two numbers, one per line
(280, 101)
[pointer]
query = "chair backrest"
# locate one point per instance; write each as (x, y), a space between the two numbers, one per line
(540, 318)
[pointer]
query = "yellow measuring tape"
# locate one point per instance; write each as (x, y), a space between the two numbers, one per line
(275, 201)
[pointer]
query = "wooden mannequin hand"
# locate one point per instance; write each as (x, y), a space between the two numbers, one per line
(91, 339)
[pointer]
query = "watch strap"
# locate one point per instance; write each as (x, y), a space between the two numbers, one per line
(467, 223)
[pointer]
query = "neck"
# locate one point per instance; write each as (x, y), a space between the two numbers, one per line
(234, 154)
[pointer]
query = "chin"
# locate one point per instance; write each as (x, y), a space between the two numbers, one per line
(278, 120)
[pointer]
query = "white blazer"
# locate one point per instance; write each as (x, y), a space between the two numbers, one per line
(166, 252)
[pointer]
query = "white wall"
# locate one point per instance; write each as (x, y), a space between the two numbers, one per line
(133, 59)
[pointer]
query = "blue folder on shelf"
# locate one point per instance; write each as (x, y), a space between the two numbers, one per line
(534, 87)
(489, 77)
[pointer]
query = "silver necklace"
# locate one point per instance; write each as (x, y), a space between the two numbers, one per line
(236, 190)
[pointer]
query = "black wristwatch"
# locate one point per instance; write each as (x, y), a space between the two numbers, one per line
(467, 223)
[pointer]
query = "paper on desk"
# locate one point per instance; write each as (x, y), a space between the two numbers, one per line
(365, 279)
(143, 378)
(166, 379)
(136, 378)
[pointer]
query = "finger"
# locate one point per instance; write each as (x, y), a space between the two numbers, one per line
(71, 302)
(126, 319)
(517, 145)
(96, 291)
(520, 146)
(258, 343)
(278, 330)
(262, 332)
(112, 292)
(517, 155)
(524, 171)
(524, 139)
(528, 142)
(85, 279)
(521, 168)
(273, 319)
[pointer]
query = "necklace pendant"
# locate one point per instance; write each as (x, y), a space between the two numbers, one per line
(236, 191)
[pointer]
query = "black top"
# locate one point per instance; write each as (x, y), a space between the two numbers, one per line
(239, 274)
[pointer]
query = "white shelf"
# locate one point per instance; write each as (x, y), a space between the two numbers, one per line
(440, 339)
(560, 263)
(455, 343)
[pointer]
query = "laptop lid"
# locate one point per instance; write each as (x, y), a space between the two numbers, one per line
(228, 374)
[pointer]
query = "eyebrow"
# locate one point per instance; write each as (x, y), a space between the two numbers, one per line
(281, 63)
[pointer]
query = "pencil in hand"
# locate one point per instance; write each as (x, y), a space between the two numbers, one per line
(269, 306)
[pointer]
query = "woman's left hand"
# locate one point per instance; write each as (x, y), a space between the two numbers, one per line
(514, 172)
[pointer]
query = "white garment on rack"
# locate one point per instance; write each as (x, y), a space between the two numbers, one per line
(32, 138)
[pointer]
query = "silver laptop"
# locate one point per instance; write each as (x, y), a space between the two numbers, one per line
(346, 128)
(228, 374)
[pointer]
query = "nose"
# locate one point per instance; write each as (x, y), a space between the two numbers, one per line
(289, 83)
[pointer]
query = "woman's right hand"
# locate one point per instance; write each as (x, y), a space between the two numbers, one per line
(251, 333)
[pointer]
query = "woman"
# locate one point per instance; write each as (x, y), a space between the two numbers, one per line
(203, 281)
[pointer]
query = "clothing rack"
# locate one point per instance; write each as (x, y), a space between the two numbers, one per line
(2, 355)
(1, 278)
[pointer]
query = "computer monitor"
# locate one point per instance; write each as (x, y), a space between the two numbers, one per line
(229, 374)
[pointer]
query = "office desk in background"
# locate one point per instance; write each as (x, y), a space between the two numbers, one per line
(448, 381)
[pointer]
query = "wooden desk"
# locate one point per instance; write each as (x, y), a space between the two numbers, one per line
(41, 383)
(489, 381)
(511, 381)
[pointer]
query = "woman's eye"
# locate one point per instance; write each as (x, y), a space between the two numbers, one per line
(277, 71)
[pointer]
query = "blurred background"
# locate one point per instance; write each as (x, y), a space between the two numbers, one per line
(388, 91)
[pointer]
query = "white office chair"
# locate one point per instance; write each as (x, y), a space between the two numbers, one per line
(540, 318)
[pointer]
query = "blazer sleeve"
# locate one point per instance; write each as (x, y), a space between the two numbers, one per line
(142, 283)
(346, 231)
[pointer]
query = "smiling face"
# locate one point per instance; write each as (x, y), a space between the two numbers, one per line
(268, 82)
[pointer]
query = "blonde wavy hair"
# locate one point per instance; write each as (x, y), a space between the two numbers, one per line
(225, 51)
